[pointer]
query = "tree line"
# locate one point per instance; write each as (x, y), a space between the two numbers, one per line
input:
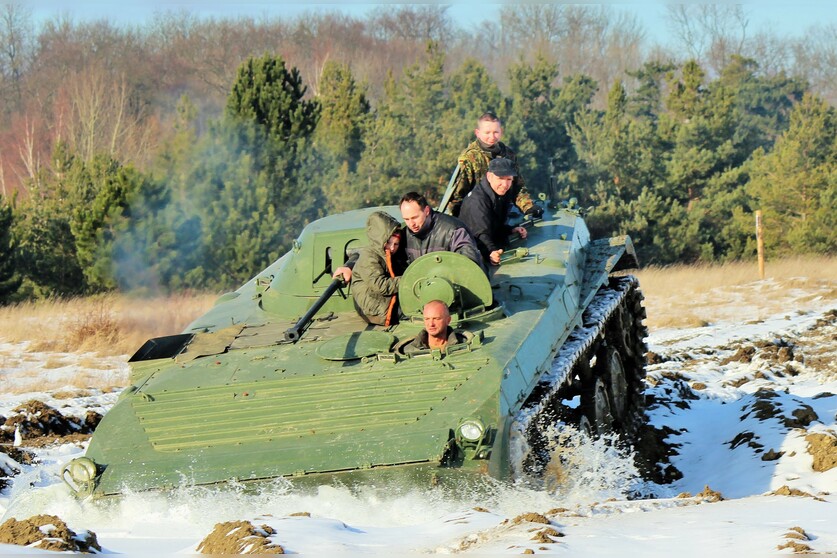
(134, 196)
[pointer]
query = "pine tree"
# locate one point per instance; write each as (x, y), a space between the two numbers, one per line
(472, 93)
(344, 114)
(46, 251)
(408, 147)
(101, 192)
(9, 279)
(267, 93)
(791, 183)
(647, 101)
(531, 131)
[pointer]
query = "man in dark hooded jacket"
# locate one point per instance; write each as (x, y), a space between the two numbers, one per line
(485, 208)
(377, 272)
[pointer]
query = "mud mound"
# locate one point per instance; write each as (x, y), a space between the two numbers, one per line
(823, 448)
(11, 458)
(785, 490)
(792, 413)
(743, 354)
(48, 532)
(547, 536)
(775, 352)
(794, 536)
(531, 517)
(709, 495)
(36, 420)
(654, 452)
(239, 537)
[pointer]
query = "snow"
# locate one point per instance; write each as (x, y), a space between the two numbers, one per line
(724, 416)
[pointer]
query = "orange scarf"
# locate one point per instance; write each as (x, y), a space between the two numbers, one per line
(388, 256)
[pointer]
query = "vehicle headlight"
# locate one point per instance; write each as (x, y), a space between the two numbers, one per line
(80, 475)
(471, 430)
(82, 469)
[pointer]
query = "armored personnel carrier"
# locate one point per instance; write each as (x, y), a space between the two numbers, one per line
(282, 378)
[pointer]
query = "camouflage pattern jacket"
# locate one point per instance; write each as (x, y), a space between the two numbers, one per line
(473, 164)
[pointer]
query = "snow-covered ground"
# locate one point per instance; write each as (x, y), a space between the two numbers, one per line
(747, 407)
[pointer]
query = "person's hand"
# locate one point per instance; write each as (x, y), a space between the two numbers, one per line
(521, 231)
(535, 211)
(344, 273)
(494, 257)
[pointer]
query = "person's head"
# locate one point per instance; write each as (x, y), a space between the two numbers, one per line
(500, 175)
(414, 210)
(436, 318)
(489, 130)
(383, 231)
(393, 242)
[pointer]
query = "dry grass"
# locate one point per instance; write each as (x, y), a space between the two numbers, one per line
(80, 382)
(106, 325)
(695, 296)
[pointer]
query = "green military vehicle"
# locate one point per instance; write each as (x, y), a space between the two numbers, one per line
(282, 378)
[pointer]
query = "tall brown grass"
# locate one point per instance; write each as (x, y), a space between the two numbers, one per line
(696, 295)
(109, 324)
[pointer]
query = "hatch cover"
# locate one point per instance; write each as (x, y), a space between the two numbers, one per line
(452, 278)
(356, 345)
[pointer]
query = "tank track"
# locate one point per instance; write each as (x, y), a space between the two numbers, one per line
(596, 379)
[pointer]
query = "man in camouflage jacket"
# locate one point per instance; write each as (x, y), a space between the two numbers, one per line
(473, 164)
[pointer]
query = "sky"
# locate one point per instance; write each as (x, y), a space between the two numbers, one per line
(784, 17)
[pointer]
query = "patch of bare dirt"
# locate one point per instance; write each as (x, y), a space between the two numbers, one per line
(823, 448)
(709, 495)
(743, 354)
(654, 452)
(48, 532)
(794, 538)
(10, 468)
(39, 424)
(819, 345)
(530, 517)
(785, 490)
(814, 349)
(763, 408)
(547, 536)
(240, 537)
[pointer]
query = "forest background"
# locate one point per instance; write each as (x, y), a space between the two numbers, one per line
(189, 152)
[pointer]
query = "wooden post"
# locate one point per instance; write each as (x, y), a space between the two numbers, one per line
(760, 242)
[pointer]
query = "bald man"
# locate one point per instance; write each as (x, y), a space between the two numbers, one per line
(437, 333)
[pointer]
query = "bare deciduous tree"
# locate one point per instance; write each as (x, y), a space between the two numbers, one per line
(815, 58)
(709, 33)
(596, 41)
(413, 22)
(16, 40)
(100, 117)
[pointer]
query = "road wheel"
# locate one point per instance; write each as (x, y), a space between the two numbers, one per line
(596, 414)
(613, 373)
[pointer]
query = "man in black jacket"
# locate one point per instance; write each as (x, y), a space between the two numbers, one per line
(431, 231)
(485, 208)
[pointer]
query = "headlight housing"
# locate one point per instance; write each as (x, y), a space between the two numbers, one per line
(80, 475)
(471, 430)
